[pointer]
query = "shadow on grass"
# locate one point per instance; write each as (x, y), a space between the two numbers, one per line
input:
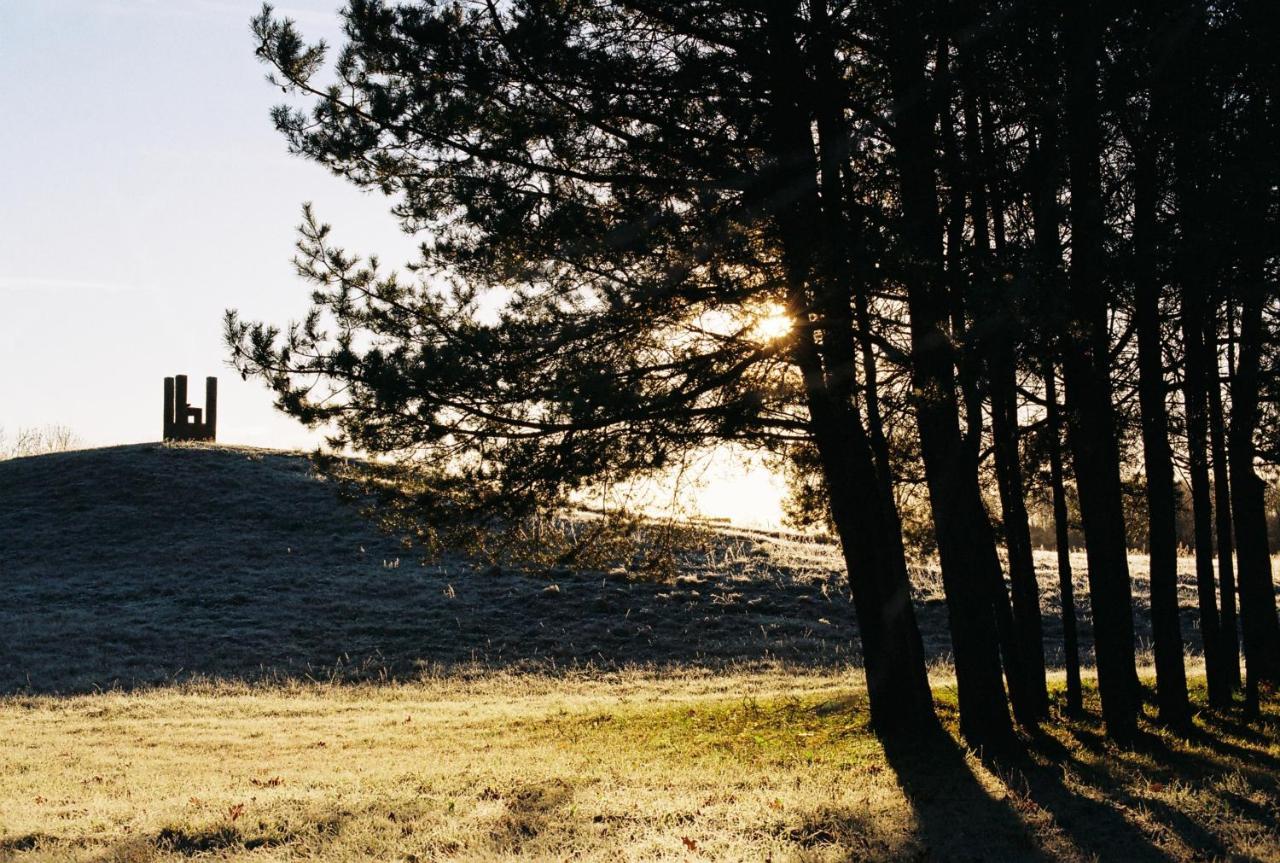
(957, 818)
(1071, 794)
(220, 839)
(1168, 795)
(531, 808)
(1093, 822)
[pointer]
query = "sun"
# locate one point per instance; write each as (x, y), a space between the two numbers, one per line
(772, 323)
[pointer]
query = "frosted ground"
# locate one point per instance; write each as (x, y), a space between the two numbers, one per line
(140, 565)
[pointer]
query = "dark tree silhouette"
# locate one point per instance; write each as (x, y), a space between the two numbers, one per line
(642, 179)
(947, 202)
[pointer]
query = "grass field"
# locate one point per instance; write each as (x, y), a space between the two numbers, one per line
(754, 766)
(205, 654)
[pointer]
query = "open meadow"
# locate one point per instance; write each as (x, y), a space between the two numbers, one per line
(728, 766)
(259, 675)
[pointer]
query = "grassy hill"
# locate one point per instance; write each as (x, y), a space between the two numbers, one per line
(154, 563)
(283, 683)
(146, 564)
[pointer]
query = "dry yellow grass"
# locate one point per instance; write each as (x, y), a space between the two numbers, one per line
(758, 766)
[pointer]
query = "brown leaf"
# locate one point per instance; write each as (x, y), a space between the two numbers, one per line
(689, 843)
(234, 812)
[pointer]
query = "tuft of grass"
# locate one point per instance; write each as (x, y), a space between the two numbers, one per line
(621, 767)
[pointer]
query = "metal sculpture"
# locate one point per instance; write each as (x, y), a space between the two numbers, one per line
(181, 420)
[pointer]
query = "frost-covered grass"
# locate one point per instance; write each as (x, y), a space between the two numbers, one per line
(151, 564)
(282, 682)
(628, 766)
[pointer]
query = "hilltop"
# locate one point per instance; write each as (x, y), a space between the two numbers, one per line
(143, 564)
(152, 563)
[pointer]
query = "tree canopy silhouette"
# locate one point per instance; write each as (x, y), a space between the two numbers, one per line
(618, 202)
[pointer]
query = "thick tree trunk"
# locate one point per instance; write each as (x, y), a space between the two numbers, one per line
(1162, 528)
(1062, 540)
(1255, 238)
(1228, 627)
(1005, 432)
(1190, 161)
(848, 272)
(971, 570)
(870, 537)
(1257, 587)
(868, 527)
(1086, 366)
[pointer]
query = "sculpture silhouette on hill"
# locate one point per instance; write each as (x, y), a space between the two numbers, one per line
(181, 420)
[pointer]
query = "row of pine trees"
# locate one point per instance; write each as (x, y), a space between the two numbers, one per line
(1013, 238)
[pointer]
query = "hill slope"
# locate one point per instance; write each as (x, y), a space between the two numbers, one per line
(140, 564)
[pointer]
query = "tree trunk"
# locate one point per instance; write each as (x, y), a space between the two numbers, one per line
(1043, 173)
(1228, 627)
(996, 319)
(1017, 534)
(960, 179)
(870, 537)
(1062, 540)
(1255, 238)
(869, 531)
(1257, 587)
(1194, 396)
(1162, 527)
(1086, 367)
(971, 570)
(893, 654)
(1190, 160)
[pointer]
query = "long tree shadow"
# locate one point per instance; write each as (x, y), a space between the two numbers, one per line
(1050, 803)
(1198, 770)
(957, 818)
(1220, 725)
(1096, 825)
(1106, 797)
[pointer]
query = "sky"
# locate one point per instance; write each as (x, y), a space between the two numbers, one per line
(143, 191)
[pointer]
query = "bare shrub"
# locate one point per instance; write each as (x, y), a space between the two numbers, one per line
(37, 440)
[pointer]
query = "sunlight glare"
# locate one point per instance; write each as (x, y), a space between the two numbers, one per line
(772, 324)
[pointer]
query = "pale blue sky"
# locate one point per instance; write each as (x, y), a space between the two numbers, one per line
(143, 190)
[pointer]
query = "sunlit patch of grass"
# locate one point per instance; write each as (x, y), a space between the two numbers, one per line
(628, 767)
